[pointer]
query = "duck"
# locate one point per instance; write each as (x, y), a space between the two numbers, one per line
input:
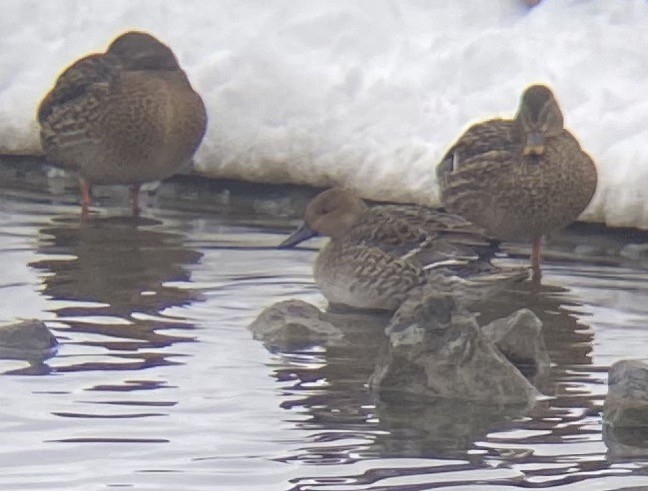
(127, 116)
(378, 257)
(522, 178)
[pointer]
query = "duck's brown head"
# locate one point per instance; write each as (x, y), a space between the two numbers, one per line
(538, 118)
(140, 51)
(332, 213)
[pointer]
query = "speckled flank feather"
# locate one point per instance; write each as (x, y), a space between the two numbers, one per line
(365, 277)
(436, 235)
(487, 178)
(126, 116)
(378, 257)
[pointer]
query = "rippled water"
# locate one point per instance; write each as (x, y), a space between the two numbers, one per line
(159, 384)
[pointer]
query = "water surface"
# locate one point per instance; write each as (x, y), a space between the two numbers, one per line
(159, 384)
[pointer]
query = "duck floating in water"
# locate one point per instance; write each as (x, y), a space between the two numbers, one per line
(519, 178)
(380, 256)
(126, 116)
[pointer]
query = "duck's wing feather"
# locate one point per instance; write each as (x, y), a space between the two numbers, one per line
(448, 231)
(495, 135)
(390, 234)
(389, 230)
(92, 75)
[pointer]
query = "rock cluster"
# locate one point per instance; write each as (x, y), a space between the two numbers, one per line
(433, 348)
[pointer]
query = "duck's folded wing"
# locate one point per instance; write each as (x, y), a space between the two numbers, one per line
(451, 233)
(427, 219)
(91, 75)
(490, 136)
(388, 233)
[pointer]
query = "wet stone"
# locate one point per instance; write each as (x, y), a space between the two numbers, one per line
(590, 250)
(449, 426)
(437, 349)
(519, 338)
(27, 339)
(635, 251)
(626, 404)
(294, 323)
(625, 442)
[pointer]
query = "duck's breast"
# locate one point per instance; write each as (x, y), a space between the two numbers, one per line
(151, 127)
(519, 197)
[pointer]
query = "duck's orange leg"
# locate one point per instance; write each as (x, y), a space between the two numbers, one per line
(535, 259)
(86, 196)
(135, 196)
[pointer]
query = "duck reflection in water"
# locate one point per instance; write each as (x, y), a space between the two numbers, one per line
(329, 383)
(108, 278)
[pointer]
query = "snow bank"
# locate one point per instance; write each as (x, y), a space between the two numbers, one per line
(367, 93)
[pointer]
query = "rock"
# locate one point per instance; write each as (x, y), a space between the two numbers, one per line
(626, 404)
(27, 340)
(417, 314)
(589, 250)
(625, 412)
(411, 428)
(437, 349)
(294, 323)
(519, 338)
(635, 251)
(625, 442)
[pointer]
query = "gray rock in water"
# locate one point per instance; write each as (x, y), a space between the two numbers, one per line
(519, 338)
(437, 349)
(625, 412)
(626, 404)
(625, 442)
(294, 322)
(590, 250)
(446, 427)
(27, 340)
(635, 251)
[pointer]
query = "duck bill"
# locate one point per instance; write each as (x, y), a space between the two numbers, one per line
(535, 144)
(300, 235)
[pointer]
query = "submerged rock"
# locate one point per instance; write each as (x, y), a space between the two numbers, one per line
(625, 442)
(519, 338)
(626, 404)
(432, 348)
(437, 349)
(440, 428)
(294, 322)
(635, 251)
(625, 412)
(27, 340)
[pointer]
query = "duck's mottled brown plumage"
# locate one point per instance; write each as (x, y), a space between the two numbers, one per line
(380, 256)
(519, 178)
(126, 116)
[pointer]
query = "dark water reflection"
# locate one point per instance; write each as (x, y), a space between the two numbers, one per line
(122, 262)
(536, 445)
(158, 383)
(108, 275)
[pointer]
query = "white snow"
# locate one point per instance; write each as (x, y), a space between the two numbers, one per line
(365, 93)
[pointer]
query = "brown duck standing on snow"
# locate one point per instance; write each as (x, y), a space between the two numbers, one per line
(126, 116)
(519, 178)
